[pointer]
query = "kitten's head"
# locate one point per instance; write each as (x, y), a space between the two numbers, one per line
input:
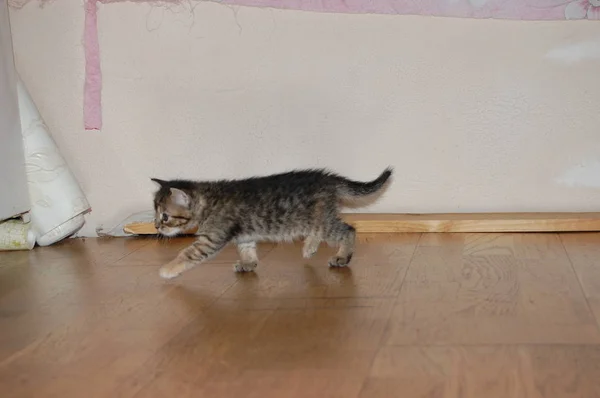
(173, 209)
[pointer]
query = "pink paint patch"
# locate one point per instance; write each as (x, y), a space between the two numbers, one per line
(92, 94)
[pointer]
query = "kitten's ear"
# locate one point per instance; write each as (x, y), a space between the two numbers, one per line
(180, 198)
(160, 183)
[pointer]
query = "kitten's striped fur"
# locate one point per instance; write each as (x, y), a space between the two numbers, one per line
(301, 204)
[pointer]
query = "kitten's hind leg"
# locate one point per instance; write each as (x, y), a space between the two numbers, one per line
(311, 245)
(343, 235)
(207, 245)
(248, 257)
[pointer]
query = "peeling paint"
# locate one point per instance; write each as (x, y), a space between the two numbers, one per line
(574, 53)
(585, 174)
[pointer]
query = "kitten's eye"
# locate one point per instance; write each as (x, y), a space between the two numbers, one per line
(164, 217)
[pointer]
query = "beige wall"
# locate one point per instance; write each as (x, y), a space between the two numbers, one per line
(475, 115)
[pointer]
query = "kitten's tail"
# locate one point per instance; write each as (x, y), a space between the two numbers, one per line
(356, 193)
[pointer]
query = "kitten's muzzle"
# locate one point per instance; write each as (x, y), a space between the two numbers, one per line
(168, 232)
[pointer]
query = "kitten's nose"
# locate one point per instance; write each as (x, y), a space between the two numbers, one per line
(156, 224)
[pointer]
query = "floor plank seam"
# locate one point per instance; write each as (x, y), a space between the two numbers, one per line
(492, 344)
(384, 333)
(585, 295)
(130, 253)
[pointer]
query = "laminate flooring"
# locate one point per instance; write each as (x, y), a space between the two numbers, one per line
(415, 315)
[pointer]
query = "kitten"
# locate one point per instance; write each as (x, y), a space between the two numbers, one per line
(281, 207)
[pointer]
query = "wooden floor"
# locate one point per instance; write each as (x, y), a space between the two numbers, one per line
(432, 315)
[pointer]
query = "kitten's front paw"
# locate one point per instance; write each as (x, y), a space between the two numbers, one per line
(244, 267)
(337, 261)
(307, 253)
(170, 271)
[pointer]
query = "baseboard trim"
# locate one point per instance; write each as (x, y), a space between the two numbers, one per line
(451, 222)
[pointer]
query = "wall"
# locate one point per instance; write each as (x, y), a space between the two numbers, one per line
(475, 115)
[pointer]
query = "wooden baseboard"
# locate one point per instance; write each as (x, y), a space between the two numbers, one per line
(455, 222)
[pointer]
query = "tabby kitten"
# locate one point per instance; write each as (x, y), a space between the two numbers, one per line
(281, 207)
